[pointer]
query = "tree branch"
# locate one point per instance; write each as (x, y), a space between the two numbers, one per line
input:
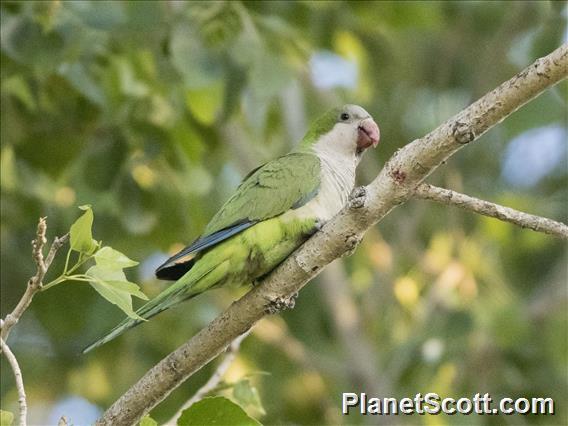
(214, 380)
(34, 283)
(19, 382)
(393, 186)
(506, 214)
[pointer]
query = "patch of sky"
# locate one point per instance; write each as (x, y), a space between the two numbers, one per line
(147, 268)
(533, 155)
(329, 70)
(77, 411)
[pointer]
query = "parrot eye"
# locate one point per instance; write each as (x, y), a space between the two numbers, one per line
(344, 116)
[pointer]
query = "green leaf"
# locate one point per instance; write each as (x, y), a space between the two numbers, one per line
(198, 65)
(18, 87)
(130, 84)
(6, 418)
(247, 395)
(79, 77)
(101, 15)
(216, 410)
(148, 421)
(24, 41)
(115, 278)
(205, 103)
(8, 174)
(113, 259)
(117, 297)
(129, 287)
(104, 282)
(81, 232)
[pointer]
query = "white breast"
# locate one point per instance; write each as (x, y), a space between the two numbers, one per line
(337, 182)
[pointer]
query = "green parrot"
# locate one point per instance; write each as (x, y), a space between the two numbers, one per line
(276, 208)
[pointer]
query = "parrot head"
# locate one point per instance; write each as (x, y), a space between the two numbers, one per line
(348, 130)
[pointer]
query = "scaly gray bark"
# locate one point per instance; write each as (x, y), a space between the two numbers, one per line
(394, 185)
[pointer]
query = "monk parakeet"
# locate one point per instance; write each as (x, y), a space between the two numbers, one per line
(277, 207)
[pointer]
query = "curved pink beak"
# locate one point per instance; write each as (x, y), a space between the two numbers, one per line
(368, 134)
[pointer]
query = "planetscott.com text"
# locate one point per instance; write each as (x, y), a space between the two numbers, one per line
(432, 403)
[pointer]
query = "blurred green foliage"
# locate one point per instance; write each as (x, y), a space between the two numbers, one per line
(152, 112)
(215, 410)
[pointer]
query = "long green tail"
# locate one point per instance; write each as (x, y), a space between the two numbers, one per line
(207, 273)
(173, 295)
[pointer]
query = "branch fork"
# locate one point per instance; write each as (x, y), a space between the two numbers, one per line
(34, 285)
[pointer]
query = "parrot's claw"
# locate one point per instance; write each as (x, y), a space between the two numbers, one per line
(358, 197)
(279, 304)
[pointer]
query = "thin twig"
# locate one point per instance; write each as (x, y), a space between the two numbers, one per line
(19, 382)
(58, 242)
(214, 380)
(34, 283)
(486, 208)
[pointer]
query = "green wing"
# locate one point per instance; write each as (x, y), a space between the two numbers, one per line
(274, 188)
(286, 183)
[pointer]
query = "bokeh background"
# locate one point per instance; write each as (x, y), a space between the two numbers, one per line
(152, 112)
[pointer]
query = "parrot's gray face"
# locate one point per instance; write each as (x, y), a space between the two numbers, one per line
(354, 132)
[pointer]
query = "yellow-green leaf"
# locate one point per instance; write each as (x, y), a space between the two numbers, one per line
(205, 103)
(247, 395)
(6, 418)
(113, 259)
(148, 421)
(81, 232)
(102, 280)
(216, 410)
(128, 287)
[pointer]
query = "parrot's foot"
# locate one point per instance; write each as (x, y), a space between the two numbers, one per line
(279, 304)
(358, 197)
